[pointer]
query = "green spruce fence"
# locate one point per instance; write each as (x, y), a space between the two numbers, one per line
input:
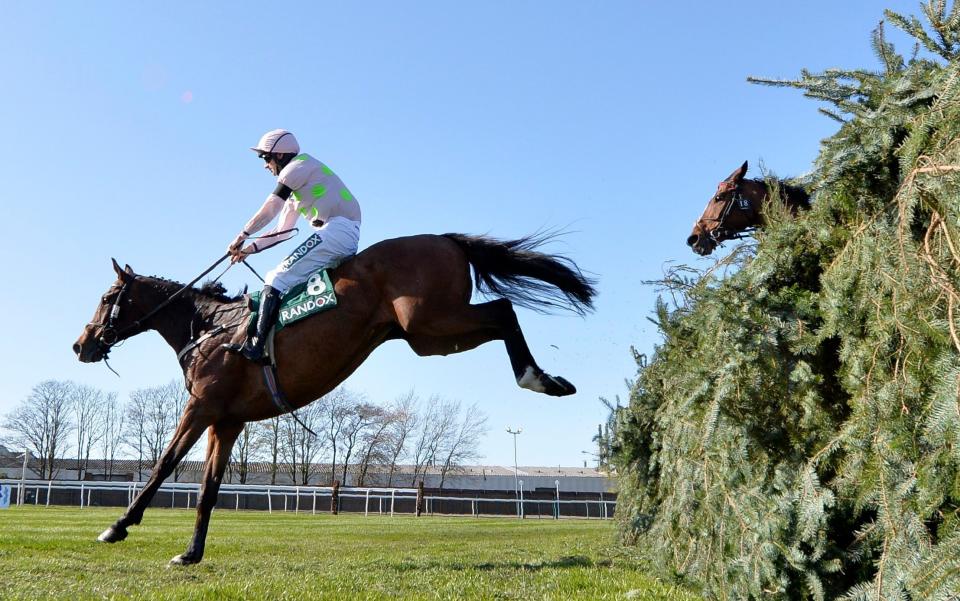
(797, 433)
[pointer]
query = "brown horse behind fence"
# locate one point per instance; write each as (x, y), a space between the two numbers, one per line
(737, 208)
(417, 289)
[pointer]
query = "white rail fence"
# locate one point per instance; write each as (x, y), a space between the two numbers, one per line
(380, 501)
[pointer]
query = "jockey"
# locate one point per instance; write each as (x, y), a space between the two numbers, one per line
(307, 187)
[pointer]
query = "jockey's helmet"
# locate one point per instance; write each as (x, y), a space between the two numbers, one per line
(276, 142)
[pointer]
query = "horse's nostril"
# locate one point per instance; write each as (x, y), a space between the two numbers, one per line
(76, 348)
(692, 240)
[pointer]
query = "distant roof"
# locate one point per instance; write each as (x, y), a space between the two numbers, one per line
(131, 465)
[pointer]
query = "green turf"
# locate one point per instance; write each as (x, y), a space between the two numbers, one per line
(53, 553)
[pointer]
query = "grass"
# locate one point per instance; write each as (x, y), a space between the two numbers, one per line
(51, 553)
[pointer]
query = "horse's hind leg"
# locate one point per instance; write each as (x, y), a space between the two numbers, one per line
(184, 437)
(469, 326)
(222, 436)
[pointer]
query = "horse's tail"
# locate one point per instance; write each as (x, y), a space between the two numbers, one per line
(515, 270)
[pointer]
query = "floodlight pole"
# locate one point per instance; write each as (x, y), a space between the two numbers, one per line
(23, 477)
(516, 470)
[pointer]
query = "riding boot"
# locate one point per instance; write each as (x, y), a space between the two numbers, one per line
(253, 348)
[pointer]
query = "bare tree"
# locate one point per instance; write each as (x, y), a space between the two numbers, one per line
(435, 426)
(87, 405)
(404, 423)
(420, 452)
(360, 417)
(375, 443)
(112, 425)
(173, 397)
(298, 447)
(312, 445)
(290, 436)
(267, 441)
(159, 423)
(243, 451)
(135, 431)
(41, 424)
(153, 414)
(336, 408)
(461, 445)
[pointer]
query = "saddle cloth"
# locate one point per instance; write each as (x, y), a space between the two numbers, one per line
(303, 300)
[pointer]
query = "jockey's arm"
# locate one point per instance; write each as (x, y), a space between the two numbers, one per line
(265, 215)
(288, 218)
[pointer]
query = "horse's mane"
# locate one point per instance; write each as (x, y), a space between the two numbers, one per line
(793, 192)
(209, 290)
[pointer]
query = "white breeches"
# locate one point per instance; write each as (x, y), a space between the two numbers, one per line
(335, 241)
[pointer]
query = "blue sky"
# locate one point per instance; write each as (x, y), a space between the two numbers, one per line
(126, 130)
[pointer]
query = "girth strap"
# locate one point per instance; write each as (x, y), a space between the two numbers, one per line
(195, 343)
(276, 395)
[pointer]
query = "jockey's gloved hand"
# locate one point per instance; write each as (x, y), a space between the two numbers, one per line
(237, 242)
(239, 254)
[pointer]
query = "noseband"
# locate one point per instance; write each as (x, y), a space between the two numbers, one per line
(108, 334)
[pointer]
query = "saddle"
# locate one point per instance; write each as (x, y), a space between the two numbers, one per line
(303, 300)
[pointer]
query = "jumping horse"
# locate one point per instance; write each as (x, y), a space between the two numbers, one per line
(737, 209)
(416, 289)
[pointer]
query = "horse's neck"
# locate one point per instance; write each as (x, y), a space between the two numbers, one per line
(796, 199)
(793, 198)
(757, 196)
(186, 318)
(174, 324)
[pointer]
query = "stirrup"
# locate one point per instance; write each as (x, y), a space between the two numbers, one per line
(232, 347)
(247, 352)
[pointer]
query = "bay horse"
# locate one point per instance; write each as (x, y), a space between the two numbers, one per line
(416, 289)
(737, 209)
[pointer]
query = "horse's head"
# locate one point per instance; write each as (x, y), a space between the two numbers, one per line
(115, 319)
(734, 209)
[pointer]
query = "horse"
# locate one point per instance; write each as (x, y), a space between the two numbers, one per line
(737, 209)
(417, 289)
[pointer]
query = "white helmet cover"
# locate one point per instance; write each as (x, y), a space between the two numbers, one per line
(277, 141)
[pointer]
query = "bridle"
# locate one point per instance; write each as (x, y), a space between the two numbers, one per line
(109, 329)
(738, 201)
(110, 336)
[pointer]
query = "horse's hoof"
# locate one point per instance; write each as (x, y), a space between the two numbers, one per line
(541, 381)
(557, 386)
(112, 535)
(184, 559)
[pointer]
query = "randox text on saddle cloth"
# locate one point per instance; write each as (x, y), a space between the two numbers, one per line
(301, 301)
(292, 312)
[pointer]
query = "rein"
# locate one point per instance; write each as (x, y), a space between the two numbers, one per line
(116, 335)
(110, 336)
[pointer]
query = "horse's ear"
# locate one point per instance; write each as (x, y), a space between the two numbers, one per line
(128, 269)
(737, 176)
(121, 274)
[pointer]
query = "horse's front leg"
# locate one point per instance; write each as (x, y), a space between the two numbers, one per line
(222, 436)
(188, 431)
